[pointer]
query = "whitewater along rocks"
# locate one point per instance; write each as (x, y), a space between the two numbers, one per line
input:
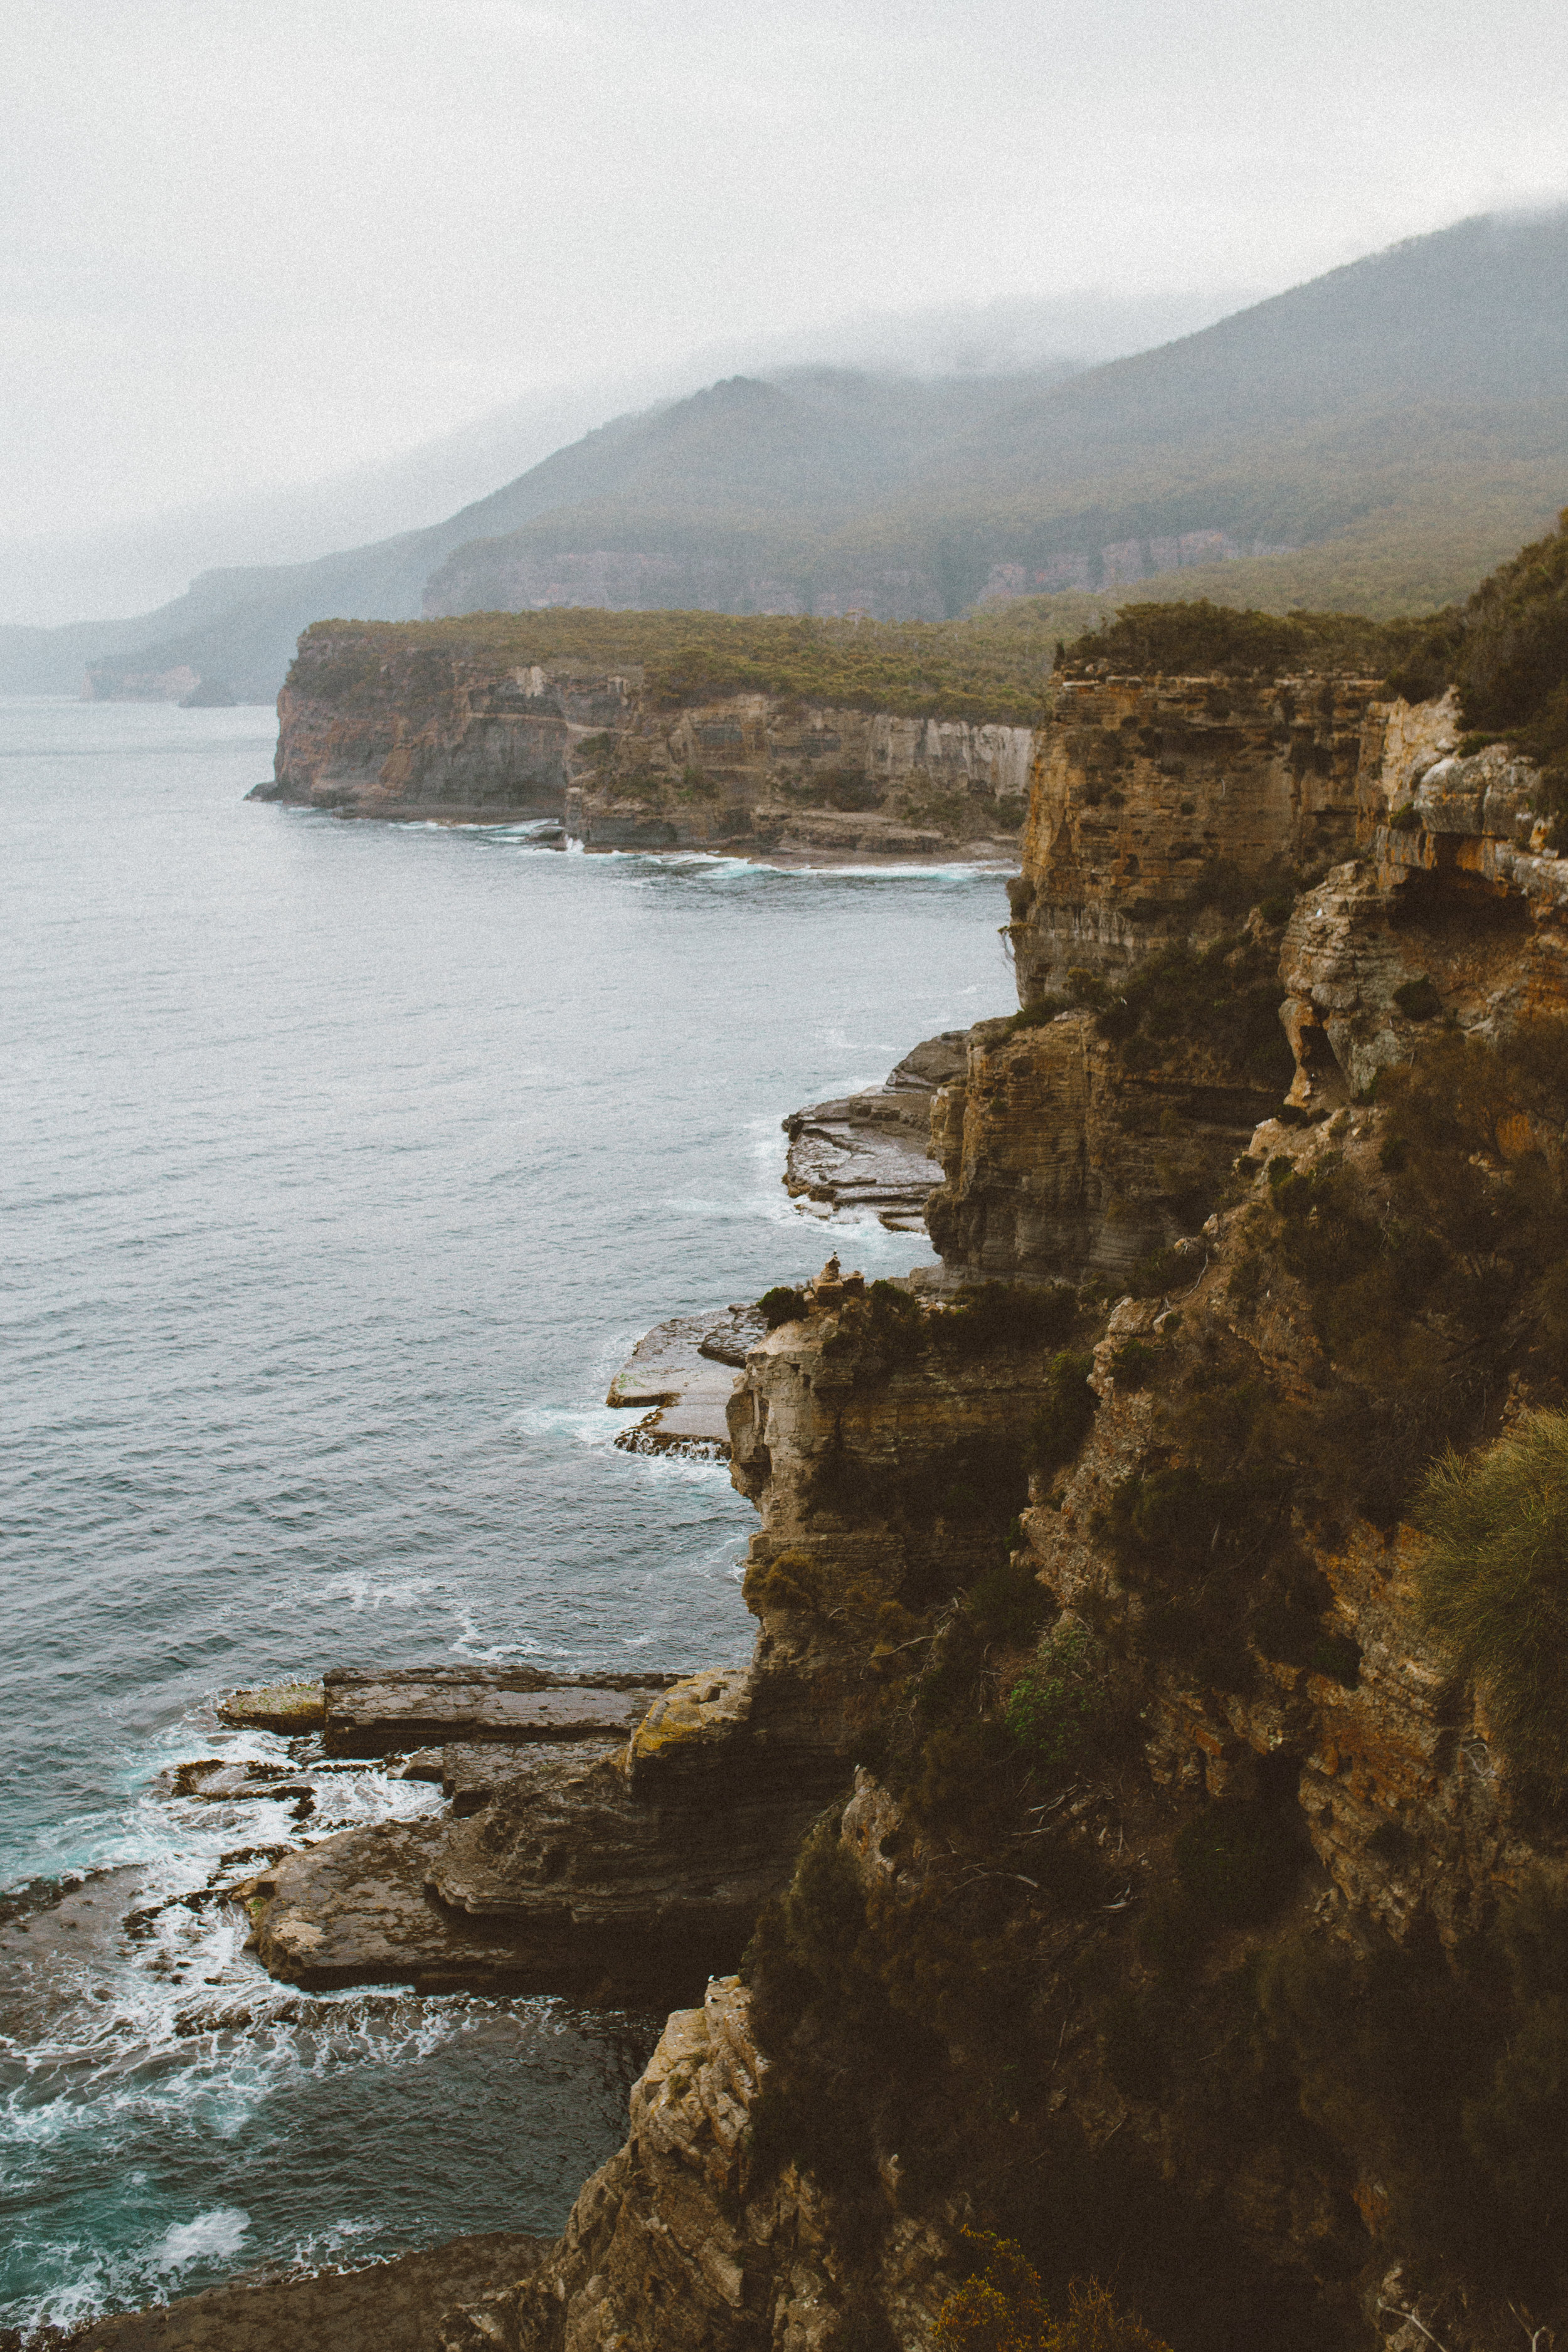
(758, 774)
(872, 1150)
(1153, 801)
(633, 1866)
(685, 1370)
(291, 1710)
(673, 2247)
(392, 2307)
(369, 728)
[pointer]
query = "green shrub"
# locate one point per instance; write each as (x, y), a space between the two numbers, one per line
(1197, 638)
(987, 666)
(1004, 1317)
(894, 1321)
(1405, 819)
(1002, 2308)
(1164, 1270)
(1135, 1364)
(1224, 998)
(1493, 1579)
(1236, 1862)
(1060, 1707)
(782, 1305)
(1039, 1012)
(1512, 665)
(1007, 1602)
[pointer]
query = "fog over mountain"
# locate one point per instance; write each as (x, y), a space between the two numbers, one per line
(1373, 440)
(130, 567)
(248, 249)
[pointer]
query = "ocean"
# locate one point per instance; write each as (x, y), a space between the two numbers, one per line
(343, 1165)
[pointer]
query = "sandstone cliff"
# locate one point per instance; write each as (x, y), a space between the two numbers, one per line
(1165, 1892)
(1158, 807)
(1162, 1928)
(369, 730)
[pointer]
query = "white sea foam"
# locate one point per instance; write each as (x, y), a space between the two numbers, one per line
(218, 2232)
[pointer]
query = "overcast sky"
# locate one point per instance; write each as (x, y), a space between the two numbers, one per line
(257, 243)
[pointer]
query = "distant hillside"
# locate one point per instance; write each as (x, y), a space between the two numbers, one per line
(816, 445)
(1374, 441)
(1408, 412)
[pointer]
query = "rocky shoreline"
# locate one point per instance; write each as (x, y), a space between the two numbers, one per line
(1014, 1483)
(368, 730)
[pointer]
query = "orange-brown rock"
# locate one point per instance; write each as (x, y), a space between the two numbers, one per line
(1452, 908)
(1059, 1158)
(366, 729)
(1142, 789)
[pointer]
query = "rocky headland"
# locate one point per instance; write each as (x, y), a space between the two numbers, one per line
(1112, 1842)
(372, 723)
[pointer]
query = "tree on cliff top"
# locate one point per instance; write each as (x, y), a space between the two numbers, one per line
(1195, 640)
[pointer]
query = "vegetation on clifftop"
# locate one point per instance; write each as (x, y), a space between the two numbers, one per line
(991, 667)
(1505, 649)
(1494, 1581)
(1198, 638)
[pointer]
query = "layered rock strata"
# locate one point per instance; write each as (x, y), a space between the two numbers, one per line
(1093, 1138)
(1454, 909)
(426, 733)
(614, 1868)
(1364, 1734)
(366, 1713)
(607, 1842)
(1155, 2074)
(871, 1152)
(1063, 1153)
(1153, 800)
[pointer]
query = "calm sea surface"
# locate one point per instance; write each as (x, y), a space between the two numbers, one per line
(342, 1165)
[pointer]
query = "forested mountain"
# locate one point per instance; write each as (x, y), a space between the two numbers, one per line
(1375, 440)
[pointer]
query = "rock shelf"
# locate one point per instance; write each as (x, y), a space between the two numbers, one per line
(872, 1150)
(685, 1370)
(367, 1713)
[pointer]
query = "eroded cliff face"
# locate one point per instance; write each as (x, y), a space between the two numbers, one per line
(1152, 800)
(1451, 908)
(1167, 1894)
(677, 2245)
(1088, 1140)
(1065, 1150)
(428, 734)
(1195, 1996)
